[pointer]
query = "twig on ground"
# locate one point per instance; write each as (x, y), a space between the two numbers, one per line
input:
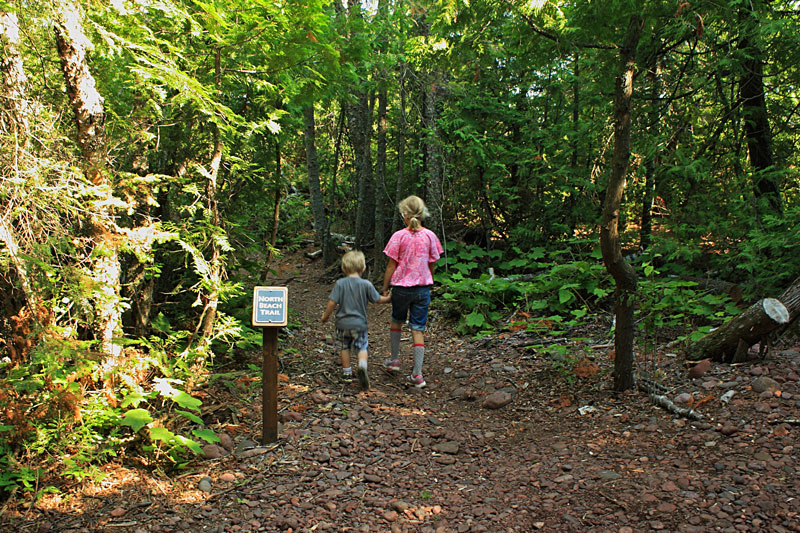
(614, 500)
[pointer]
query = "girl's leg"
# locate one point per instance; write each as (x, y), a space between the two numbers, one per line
(418, 338)
(394, 336)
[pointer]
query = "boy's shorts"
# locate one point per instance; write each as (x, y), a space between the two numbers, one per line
(353, 340)
(411, 303)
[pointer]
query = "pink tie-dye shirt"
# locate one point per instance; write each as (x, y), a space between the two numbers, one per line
(413, 251)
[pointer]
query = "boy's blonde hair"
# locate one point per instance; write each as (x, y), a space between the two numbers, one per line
(414, 208)
(353, 262)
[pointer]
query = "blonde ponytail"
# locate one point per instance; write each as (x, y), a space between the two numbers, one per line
(414, 208)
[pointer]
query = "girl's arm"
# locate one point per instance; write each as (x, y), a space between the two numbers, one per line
(387, 276)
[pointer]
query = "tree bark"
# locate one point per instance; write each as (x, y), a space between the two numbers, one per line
(361, 137)
(380, 185)
(754, 112)
(433, 196)
(87, 105)
(653, 160)
(276, 211)
(14, 119)
(400, 189)
(210, 296)
(317, 203)
(623, 274)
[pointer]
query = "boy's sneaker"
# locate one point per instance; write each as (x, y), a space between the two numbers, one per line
(392, 365)
(363, 378)
(417, 381)
(347, 378)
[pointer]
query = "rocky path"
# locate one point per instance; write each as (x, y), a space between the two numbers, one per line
(510, 435)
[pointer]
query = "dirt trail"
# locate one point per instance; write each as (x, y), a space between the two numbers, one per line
(564, 455)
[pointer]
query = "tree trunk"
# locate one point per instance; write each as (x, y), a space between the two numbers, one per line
(433, 196)
(652, 162)
(623, 274)
(210, 296)
(380, 186)
(87, 105)
(754, 112)
(317, 203)
(400, 189)
(337, 148)
(276, 211)
(14, 119)
(15, 110)
(361, 137)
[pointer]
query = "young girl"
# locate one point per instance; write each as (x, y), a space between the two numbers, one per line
(412, 252)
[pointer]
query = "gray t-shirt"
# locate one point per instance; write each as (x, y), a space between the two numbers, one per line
(352, 295)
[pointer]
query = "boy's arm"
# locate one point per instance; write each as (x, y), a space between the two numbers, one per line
(328, 311)
(385, 299)
(387, 276)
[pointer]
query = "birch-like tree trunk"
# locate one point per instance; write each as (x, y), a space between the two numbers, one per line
(14, 108)
(87, 106)
(14, 120)
(623, 274)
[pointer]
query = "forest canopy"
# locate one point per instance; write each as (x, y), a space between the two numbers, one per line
(579, 159)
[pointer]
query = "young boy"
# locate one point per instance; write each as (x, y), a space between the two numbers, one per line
(349, 297)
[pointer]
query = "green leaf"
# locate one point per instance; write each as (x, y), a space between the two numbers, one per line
(191, 416)
(187, 402)
(565, 295)
(206, 434)
(189, 443)
(162, 434)
(475, 319)
(136, 419)
(134, 399)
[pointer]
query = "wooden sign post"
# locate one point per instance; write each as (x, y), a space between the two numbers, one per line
(270, 310)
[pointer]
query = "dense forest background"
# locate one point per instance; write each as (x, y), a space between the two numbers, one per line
(580, 159)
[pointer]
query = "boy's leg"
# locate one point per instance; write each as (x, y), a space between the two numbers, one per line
(347, 370)
(345, 358)
(344, 346)
(362, 345)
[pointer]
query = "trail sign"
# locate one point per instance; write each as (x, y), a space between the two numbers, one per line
(270, 305)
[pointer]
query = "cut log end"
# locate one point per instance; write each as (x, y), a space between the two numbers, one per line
(776, 310)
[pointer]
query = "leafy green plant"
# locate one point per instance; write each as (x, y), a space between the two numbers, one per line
(674, 305)
(542, 285)
(181, 406)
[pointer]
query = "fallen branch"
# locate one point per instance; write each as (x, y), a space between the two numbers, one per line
(665, 403)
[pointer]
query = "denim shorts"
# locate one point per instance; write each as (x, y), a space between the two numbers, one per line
(411, 303)
(353, 340)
